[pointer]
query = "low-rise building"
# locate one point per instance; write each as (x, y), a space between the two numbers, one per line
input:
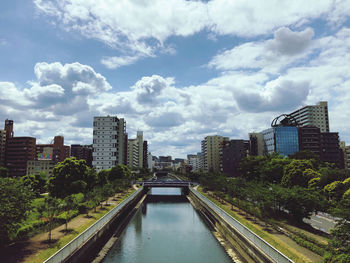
(38, 166)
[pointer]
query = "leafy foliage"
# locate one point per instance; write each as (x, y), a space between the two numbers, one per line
(15, 203)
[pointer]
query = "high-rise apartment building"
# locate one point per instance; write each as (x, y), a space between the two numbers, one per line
(108, 142)
(232, 152)
(145, 154)
(256, 143)
(19, 150)
(136, 152)
(2, 147)
(82, 152)
(313, 115)
(211, 152)
(346, 152)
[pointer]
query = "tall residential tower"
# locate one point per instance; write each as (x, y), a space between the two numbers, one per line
(108, 142)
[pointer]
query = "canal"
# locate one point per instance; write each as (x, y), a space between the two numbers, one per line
(167, 229)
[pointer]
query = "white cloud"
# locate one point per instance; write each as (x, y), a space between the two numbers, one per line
(116, 62)
(140, 28)
(271, 56)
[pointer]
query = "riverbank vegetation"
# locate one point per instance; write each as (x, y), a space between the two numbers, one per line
(274, 188)
(35, 203)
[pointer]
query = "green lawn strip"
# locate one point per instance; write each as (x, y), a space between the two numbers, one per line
(45, 254)
(261, 233)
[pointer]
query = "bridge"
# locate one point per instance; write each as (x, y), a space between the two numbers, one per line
(165, 184)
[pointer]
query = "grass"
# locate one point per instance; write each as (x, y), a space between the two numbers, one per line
(45, 254)
(284, 248)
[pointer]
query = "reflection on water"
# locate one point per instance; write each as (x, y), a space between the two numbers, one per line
(167, 232)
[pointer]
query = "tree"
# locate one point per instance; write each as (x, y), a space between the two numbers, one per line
(52, 207)
(308, 155)
(70, 177)
(301, 202)
(250, 167)
(294, 173)
(273, 169)
(334, 190)
(15, 203)
(102, 177)
(70, 203)
(37, 182)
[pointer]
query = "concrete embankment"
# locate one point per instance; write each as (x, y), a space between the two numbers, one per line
(246, 250)
(96, 247)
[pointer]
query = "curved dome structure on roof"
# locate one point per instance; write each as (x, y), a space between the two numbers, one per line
(288, 120)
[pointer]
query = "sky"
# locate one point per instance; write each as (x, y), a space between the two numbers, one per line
(177, 70)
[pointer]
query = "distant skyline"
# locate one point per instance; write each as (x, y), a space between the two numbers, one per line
(177, 70)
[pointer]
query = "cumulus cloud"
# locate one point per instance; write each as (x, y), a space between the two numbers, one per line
(148, 89)
(271, 56)
(116, 62)
(287, 42)
(140, 28)
(280, 95)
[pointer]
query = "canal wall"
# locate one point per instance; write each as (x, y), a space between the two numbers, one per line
(248, 245)
(86, 246)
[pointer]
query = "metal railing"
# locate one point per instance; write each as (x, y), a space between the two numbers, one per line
(77, 242)
(269, 250)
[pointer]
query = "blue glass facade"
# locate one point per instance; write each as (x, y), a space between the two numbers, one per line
(286, 140)
(283, 140)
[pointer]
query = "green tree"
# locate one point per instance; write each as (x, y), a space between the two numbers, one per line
(301, 202)
(334, 190)
(37, 182)
(102, 177)
(308, 155)
(70, 203)
(52, 207)
(273, 169)
(70, 177)
(15, 203)
(294, 173)
(250, 167)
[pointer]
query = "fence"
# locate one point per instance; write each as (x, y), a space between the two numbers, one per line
(269, 250)
(77, 242)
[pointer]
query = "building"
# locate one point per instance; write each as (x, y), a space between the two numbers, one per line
(164, 159)
(313, 115)
(256, 144)
(281, 139)
(38, 166)
(194, 161)
(19, 150)
(56, 151)
(108, 142)
(2, 147)
(135, 152)
(150, 162)
(232, 152)
(145, 155)
(82, 152)
(346, 153)
(211, 152)
(330, 150)
(309, 139)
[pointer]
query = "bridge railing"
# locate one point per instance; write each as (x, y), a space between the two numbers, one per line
(269, 250)
(77, 242)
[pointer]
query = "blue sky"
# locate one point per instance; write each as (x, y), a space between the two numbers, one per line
(178, 70)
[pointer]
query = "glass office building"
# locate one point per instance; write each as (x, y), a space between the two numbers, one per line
(281, 139)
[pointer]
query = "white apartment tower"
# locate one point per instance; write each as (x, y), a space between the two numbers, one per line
(313, 115)
(211, 152)
(108, 142)
(135, 151)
